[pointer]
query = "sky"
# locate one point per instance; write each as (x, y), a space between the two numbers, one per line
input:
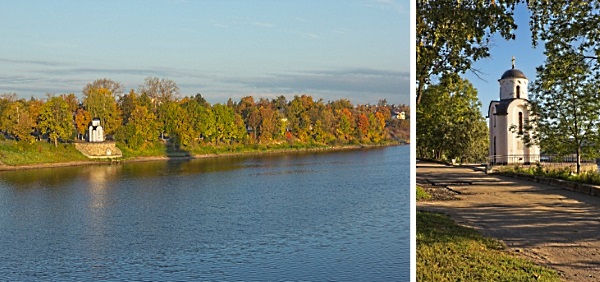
(332, 49)
(527, 59)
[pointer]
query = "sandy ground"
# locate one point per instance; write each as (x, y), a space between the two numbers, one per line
(552, 226)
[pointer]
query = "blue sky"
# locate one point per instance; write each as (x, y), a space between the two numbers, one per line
(356, 49)
(527, 59)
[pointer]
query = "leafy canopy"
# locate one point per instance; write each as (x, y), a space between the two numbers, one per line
(452, 34)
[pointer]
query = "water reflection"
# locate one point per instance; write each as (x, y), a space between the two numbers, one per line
(36, 178)
(338, 216)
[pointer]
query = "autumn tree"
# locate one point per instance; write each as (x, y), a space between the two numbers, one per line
(268, 123)
(345, 125)
(160, 90)
(56, 119)
(114, 87)
(127, 104)
(376, 130)
(83, 119)
(18, 121)
(34, 107)
(141, 128)
(362, 126)
(451, 35)
(72, 101)
(299, 118)
(101, 103)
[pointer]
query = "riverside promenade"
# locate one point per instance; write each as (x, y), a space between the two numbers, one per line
(547, 224)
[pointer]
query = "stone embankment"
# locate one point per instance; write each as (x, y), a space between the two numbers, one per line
(99, 150)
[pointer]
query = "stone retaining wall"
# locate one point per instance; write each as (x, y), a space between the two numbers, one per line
(106, 149)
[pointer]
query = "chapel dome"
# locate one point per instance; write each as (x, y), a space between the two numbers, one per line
(513, 73)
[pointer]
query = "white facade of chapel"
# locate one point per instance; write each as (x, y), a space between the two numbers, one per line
(507, 117)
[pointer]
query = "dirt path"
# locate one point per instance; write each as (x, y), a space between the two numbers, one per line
(550, 225)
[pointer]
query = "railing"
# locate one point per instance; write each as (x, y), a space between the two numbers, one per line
(513, 159)
(545, 160)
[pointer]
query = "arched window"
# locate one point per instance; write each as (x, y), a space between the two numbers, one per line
(520, 123)
(518, 91)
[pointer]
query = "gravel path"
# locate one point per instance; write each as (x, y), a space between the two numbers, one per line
(552, 226)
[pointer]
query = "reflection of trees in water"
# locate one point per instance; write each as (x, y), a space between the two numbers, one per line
(98, 175)
(36, 178)
(58, 177)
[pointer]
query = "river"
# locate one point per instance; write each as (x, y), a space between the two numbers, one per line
(336, 216)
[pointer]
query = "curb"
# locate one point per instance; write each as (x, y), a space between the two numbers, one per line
(584, 188)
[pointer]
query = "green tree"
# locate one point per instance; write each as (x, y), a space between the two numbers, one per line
(566, 24)
(450, 123)
(127, 103)
(299, 117)
(56, 119)
(569, 31)
(141, 129)
(101, 103)
(376, 131)
(229, 126)
(345, 125)
(566, 106)
(171, 116)
(452, 34)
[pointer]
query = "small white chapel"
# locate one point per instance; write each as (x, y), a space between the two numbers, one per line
(506, 147)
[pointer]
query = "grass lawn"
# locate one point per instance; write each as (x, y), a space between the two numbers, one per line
(448, 252)
(40, 152)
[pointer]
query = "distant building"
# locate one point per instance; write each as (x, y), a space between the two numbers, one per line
(95, 131)
(399, 115)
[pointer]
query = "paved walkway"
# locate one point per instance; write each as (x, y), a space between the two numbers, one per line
(550, 225)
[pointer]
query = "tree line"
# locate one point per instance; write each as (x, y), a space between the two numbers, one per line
(156, 112)
(564, 98)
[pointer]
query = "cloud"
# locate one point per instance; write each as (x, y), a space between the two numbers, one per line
(363, 85)
(46, 63)
(359, 85)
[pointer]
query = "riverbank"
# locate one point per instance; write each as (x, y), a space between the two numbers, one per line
(262, 151)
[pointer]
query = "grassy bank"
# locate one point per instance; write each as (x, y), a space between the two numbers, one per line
(159, 149)
(17, 154)
(449, 252)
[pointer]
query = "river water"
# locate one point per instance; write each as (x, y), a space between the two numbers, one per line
(327, 216)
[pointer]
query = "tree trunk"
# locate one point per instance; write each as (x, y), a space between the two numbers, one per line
(420, 91)
(578, 161)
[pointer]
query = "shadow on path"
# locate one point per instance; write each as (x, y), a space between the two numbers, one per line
(555, 227)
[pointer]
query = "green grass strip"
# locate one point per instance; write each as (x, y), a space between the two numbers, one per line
(449, 252)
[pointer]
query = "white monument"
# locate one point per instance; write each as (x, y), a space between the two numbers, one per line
(507, 118)
(95, 131)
